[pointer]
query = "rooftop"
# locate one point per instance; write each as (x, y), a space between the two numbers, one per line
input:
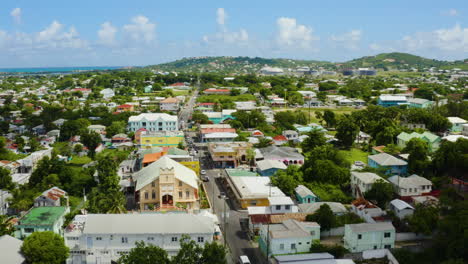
(291, 228)
(304, 191)
(367, 177)
(270, 164)
(153, 117)
(385, 159)
(255, 187)
(11, 248)
(240, 173)
(409, 182)
(400, 205)
(46, 215)
(366, 227)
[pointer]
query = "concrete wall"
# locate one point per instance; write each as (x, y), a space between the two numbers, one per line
(408, 236)
(338, 231)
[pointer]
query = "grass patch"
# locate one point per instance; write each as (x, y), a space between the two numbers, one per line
(354, 155)
(76, 160)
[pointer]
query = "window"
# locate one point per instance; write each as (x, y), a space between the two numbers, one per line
(312, 233)
(300, 243)
(29, 230)
(308, 243)
(150, 238)
(124, 240)
(90, 253)
(287, 207)
(281, 246)
(174, 239)
(359, 236)
(278, 207)
(98, 238)
(201, 239)
(387, 234)
(293, 246)
(180, 195)
(180, 183)
(104, 252)
(146, 196)
(187, 194)
(153, 184)
(153, 195)
(375, 247)
(387, 246)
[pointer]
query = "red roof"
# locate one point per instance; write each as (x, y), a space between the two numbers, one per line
(216, 130)
(82, 89)
(178, 84)
(125, 106)
(280, 138)
(257, 133)
(206, 103)
(55, 194)
(217, 90)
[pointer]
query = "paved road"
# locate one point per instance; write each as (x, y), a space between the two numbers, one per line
(186, 112)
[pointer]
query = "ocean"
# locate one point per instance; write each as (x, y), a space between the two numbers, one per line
(52, 70)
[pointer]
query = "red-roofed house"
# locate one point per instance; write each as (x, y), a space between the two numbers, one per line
(257, 133)
(217, 91)
(280, 140)
(125, 108)
(52, 197)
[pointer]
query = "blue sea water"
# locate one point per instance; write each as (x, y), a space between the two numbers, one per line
(57, 69)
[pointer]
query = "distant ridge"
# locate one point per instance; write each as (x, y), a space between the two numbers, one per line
(227, 64)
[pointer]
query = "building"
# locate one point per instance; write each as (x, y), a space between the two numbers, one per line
(166, 185)
(291, 134)
(217, 91)
(278, 206)
(169, 104)
(97, 129)
(389, 162)
(153, 122)
(305, 195)
(433, 141)
(102, 238)
(311, 258)
(367, 211)
(392, 100)
(11, 250)
(361, 237)
(253, 191)
(125, 108)
(220, 137)
(205, 133)
(401, 208)
(271, 71)
(289, 237)
(420, 103)
(4, 202)
(107, 93)
(287, 155)
(269, 167)
(44, 218)
(413, 185)
(52, 197)
(310, 208)
(165, 138)
(361, 182)
(457, 123)
(229, 154)
(465, 130)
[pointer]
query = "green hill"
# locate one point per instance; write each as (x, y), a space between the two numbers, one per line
(251, 65)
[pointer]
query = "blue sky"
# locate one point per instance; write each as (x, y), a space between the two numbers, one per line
(141, 32)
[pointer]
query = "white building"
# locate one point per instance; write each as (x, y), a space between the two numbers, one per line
(153, 122)
(102, 238)
(361, 182)
(169, 104)
(401, 208)
(410, 186)
(107, 93)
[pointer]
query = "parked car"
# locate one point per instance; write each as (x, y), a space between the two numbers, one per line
(203, 172)
(359, 163)
(222, 195)
(244, 260)
(206, 178)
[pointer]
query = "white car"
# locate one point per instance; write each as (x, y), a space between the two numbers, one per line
(202, 172)
(244, 260)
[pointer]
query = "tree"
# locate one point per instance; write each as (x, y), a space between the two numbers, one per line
(91, 140)
(6, 182)
(263, 143)
(315, 138)
(116, 127)
(200, 118)
(287, 180)
(20, 143)
(418, 155)
(329, 117)
(324, 217)
(425, 93)
(78, 148)
(424, 219)
(347, 130)
(145, 254)
(381, 191)
(44, 247)
(34, 145)
(190, 252)
(6, 225)
(213, 253)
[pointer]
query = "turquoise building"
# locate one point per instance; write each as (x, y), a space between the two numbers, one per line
(361, 237)
(305, 195)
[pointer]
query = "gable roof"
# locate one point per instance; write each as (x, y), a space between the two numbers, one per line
(152, 171)
(274, 152)
(385, 159)
(11, 250)
(304, 191)
(270, 164)
(366, 227)
(400, 205)
(409, 182)
(367, 177)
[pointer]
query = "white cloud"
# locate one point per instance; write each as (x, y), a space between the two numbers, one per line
(448, 40)
(451, 12)
(292, 34)
(16, 14)
(221, 16)
(106, 34)
(55, 37)
(349, 40)
(141, 29)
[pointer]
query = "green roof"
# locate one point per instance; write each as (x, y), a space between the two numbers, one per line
(46, 215)
(177, 151)
(241, 173)
(407, 137)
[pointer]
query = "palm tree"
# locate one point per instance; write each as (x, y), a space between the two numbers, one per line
(113, 203)
(6, 225)
(250, 156)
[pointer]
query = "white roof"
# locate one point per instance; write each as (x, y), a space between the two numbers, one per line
(385, 159)
(11, 248)
(367, 177)
(169, 223)
(454, 138)
(255, 187)
(221, 135)
(366, 227)
(303, 191)
(213, 114)
(412, 181)
(280, 200)
(268, 164)
(400, 205)
(153, 117)
(311, 208)
(258, 210)
(392, 98)
(456, 120)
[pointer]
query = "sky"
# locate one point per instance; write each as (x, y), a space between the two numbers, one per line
(58, 33)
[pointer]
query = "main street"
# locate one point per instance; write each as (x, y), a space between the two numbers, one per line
(187, 110)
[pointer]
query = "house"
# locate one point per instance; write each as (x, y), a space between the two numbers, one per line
(223, 134)
(39, 130)
(287, 155)
(52, 197)
(392, 100)
(120, 138)
(258, 134)
(107, 93)
(310, 208)
(277, 206)
(289, 237)
(153, 122)
(390, 163)
(253, 191)
(125, 108)
(11, 250)
(245, 106)
(362, 138)
(311, 258)
(169, 104)
(100, 129)
(305, 195)
(269, 167)
(4, 202)
(229, 154)
(401, 208)
(149, 139)
(59, 122)
(291, 134)
(465, 130)
(413, 185)
(166, 184)
(368, 211)
(44, 218)
(280, 140)
(217, 91)
(420, 103)
(361, 182)
(103, 238)
(457, 123)
(433, 141)
(361, 237)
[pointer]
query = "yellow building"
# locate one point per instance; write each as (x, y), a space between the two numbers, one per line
(160, 139)
(193, 165)
(167, 185)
